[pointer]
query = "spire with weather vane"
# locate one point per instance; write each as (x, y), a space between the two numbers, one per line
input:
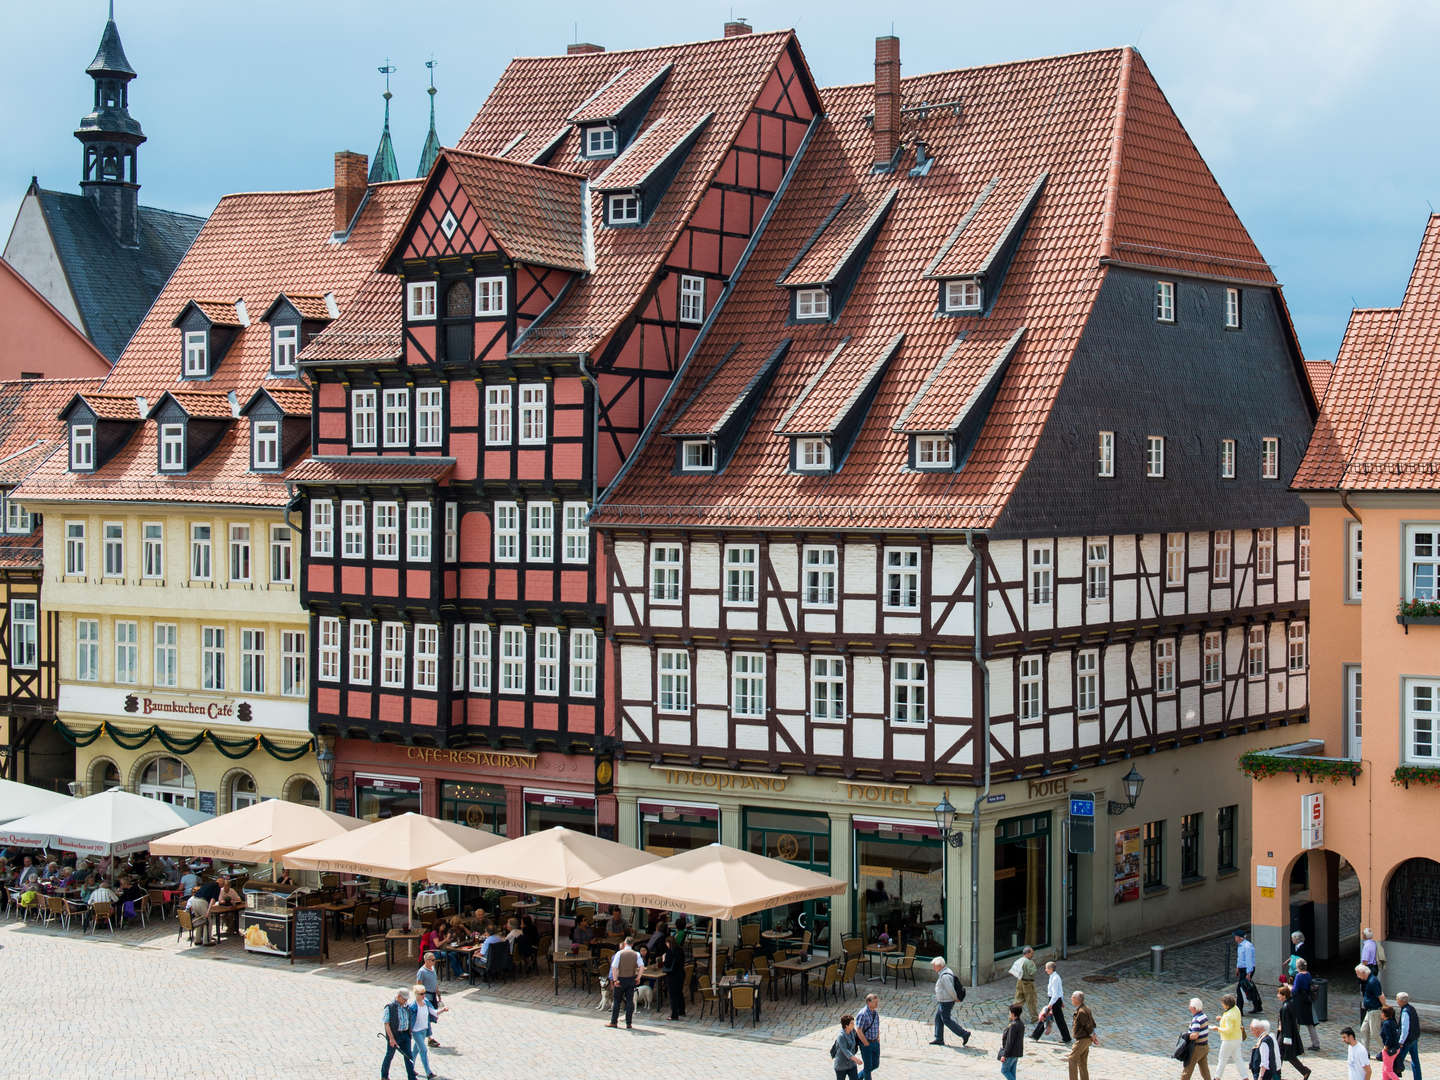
(432, 141)
(382, 166)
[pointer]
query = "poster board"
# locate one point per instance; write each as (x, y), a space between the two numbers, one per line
(1127, 865)
(309, 934)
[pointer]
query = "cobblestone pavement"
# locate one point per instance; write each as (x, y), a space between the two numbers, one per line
(141, 1005)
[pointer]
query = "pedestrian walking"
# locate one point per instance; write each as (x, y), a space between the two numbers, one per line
(1232, 1037)
(845, 1050)
(948, 993)
(1372, 1000)
(1245, 988)
(1291, 1048)
(624, 970)
(673, 961)
(1055, 1002)
(1025, 971)
(1389, 1042)
(1409, 1035)
(397, 1018)
(867, 1026)
(1265, 1058)
(1012, 1043)
(1369, 949)
(1085, 1037)
(1297, 953)
(1357, 1061)
(425, 1016)
(429, 978)
(1199, 1036)
(1304, 1000)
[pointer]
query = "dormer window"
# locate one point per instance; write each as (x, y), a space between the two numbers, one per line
(697, 455)
(623, 209)
(934, 452)
(489, 296)
(963, 295)
(420, 300)
(197, 353)
(812, 304)
(600, 141)
(82, 447)
(172, 447)
(812, 455)
(265, 439)
(284, 344)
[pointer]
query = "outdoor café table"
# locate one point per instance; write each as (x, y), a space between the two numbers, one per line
(391, 937)
(576, 962)
(217, 913)
(884, 952)
(729, 982)
(525, 905)
(801, 968)
(336, 910)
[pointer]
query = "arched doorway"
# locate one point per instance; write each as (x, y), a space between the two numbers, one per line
(238, 791)
(302, 790)
(104, 775)
(459, 322)
(1322, 893)
(168, 780)
(1412, 903)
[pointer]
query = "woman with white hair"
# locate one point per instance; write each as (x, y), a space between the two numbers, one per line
(1297, 952)
(1265, 1058)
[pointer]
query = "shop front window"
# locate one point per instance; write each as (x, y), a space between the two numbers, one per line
(900, 891)
(1022, 883)
(544, 810)
(670, 828)
(380, 797)
(479, 806)
(801, 839)
(169, 780)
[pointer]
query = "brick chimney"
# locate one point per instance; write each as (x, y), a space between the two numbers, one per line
(737, 27)
(350, 172)
(582, 47)
(887, 100)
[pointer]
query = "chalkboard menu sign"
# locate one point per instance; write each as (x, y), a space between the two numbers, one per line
(309, 939)
(342, 806)
(207, 802)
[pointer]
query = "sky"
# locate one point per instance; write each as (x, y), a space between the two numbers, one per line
(1316, 116)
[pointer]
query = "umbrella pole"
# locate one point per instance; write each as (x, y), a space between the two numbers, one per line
(554, 967)
(714, 951)
(409, 906)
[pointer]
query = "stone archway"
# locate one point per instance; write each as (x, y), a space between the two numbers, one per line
(102, 775)
(1322, 900)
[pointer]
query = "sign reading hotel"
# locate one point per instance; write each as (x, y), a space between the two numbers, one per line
(142, 707)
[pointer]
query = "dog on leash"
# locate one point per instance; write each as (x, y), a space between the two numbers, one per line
(644, 996)
(605, 993)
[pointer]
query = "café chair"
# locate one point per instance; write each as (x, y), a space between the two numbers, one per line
(76, 910)
(828, 981)
(852, 966)
(750, 935)
(102, 910)
(356, 918)
(55, 909)
(902, 964)
(708, 996)
(742, 997)
(187, 926)
(385, 913)
(375, 947)
(743, 958)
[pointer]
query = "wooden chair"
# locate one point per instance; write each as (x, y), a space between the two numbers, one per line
(329, 881)
(750, 935)
(187, 926)
(763, 973)
(385, 913)
(853, 946)
(847, 975)
(77, 910)
(104, 911)
(374, 947)
(157, 900)
(708, 996)
(357, 918)
(742, 997)
(55, 909)
(30, 909)
(902, 964)
(828, 981)
(742, 959)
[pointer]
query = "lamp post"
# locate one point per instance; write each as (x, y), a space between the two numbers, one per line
(1132, 782)
(945, 820)
(326, 759)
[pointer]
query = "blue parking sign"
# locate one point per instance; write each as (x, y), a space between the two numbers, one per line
(1082, 807)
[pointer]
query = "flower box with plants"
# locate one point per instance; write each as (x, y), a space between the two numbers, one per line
(1261, 765)
(1425, 775)
(1418, 613)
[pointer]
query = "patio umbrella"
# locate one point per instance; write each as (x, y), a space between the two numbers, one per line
(18, 800)
(715, 880)
(113, 822)
(401, 848)
(260, 832)
(555, 862)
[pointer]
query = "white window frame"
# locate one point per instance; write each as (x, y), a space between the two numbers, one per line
(532, 414)
(24, 634)
(266, 436)
(327, 657)
(1176, 547)
(457, 657)
(1227, 459)
(697, 455)
(902, 580)
(812, 304)
(1105, 454)
(820, 566)
(667, 573)
(322, 529)
(1354, 718)
(18, 520)
(1232, 309)
(419, 532)
(292, 663)
(1087, 682)
(963, 294)
(512, 660)
(479, 658)
(425, 676)
(87, 650)
(75, 545)
(1165, 667)
(392, 655)
(212, 658)
(601, 141)
(197, 353)
(672, 681)
(576, 533)
(252, 660)
(352, 529)
(282, 556)
(1302, 551)
(284, 344)
(364, 428)
(623, 208)
(362, 651)
(491, 296)
(395, 417)
(827, 689)
(1097, 571)
(1264, 554)
(202, 551)
(1421, 705)
(507, 532)
(241, 551)
(1354, 551)
(1165, 301)
(1155, 456)
(1270, 458)
(1030, 699)
(748, 685)
(112, 547)
(742, 575)
(1212, 658)
(499, 415)
(909, 693)
(692, 299)
(583, 659)
(1222, 556)
(1297, 648)
(1422, 562)
(540, 532)
(82, 447)
(547, 661)
(166, 655)
(1042, 574)
(127, 651)
(1256, 648)
(172, 447)
(452, 532)
(420, 301)
(934, 452)
(429, 416)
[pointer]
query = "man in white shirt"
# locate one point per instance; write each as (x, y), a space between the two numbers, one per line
(1356, 1060)
(625, 967)
(199, 909)
(103, 894)
(1055, 1002)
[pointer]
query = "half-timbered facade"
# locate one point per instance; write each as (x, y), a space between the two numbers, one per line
(555, 269)
(978, 333)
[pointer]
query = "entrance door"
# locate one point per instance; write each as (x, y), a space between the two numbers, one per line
(802, 839)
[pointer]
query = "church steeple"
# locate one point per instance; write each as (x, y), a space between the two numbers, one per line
(111, 137)
(431, 149)
(383, 167)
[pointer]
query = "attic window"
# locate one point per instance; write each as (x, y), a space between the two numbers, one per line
(963, 294)
(285, 342)
(624, 209)
(934, 452)
(266, 440)
(812, 455)
(172, 447)
(197, 353)
(82, 447)
(812, 304)
(697, 455)
(600, 141)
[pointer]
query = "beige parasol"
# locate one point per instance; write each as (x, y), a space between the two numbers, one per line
(401, 848)
(258, 833)
(555, 862)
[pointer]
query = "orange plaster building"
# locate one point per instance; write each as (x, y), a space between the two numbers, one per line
(1371, 476)
(36, 340)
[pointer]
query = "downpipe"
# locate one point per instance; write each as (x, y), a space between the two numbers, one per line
(983, 670)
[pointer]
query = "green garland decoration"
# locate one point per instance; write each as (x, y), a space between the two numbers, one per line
(1424, 775)
(181, 744)
(1261, 765)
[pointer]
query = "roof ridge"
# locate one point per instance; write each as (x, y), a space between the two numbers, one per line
(312, 191)
(511, 161)
(672, 46)
(1051, 58)
(1117, 155)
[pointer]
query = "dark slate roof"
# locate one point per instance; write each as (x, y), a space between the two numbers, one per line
(110, 56)
(113, 285)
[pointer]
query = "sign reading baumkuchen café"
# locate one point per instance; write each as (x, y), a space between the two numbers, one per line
(208, 709)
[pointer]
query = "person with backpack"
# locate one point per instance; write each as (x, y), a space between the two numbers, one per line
(948, 993)
(845, 1050)
(1012, 1043)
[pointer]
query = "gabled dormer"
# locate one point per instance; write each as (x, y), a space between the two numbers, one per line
(971, 263)
(822, 423)
(98, 425)
(608, 119)
(279, 427)
(207, 330)
(188, 425)
(295, 318)
(823, 272)
(634, 185)
(944, 417)
(709, 425)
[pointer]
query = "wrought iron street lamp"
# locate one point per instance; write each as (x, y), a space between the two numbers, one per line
(1133, 782)
(326, 759)
(945, 820)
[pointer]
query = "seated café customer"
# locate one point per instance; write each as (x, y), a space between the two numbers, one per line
(513, 931)
(188, 881)
(434, 938)
(210, 889)
(28, 872)
(582, 933)
(492, 936)
(199, 909)
(616, 923)
(530, 931)
(102, 894)
(227, 894)
(285, 878)
(130, 892)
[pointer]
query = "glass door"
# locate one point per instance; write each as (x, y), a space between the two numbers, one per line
(802, 839)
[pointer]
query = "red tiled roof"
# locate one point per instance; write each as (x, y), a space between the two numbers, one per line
(838, 382)
(292, 402)
(199, 404)
(838, 236)
(112, 406)
(309, 306)
(615, 96)
(715, 399)
(30, 425)
(980, 234)
(536, 214)
(370, 329)
(1379, 426)
(23, 552)
(959, 377)
(369, 470)
(1318, 372)
(1121, 169)
(219, 312)
(657, 144)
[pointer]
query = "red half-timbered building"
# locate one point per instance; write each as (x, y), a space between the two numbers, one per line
(496, 371)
